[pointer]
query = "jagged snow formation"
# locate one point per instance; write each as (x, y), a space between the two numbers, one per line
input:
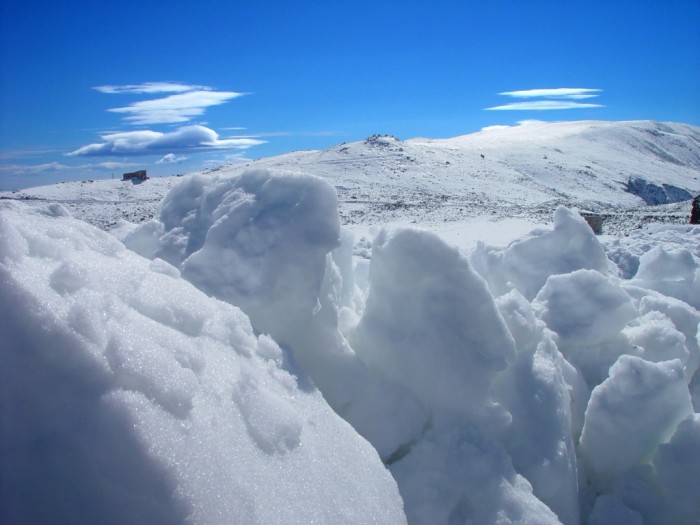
(540, 382)
(129, 396)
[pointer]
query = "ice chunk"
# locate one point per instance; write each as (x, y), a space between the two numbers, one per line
(584, 307)
(673, 272)
(630, 414)
(430, 324)
(657, 339)
(660, 263)
(539, 439)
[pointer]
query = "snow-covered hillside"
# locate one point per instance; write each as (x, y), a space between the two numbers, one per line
(616, 168)
(589, 164)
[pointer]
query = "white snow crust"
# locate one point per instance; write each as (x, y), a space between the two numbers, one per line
(197, 368)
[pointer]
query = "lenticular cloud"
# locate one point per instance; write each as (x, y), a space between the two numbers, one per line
(146, 142)
(223, 365)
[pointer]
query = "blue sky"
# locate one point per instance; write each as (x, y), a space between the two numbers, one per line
(94, 88)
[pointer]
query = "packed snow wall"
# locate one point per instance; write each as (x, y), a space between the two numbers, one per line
(532, 383)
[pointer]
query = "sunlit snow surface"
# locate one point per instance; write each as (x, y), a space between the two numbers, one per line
(544, 380)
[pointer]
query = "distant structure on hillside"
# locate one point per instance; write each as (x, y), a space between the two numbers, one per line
(695, 210)
(135, 175)
(594, 220)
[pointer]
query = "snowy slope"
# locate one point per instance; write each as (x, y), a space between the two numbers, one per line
(586, 163)
(101, 202)
(521, 171)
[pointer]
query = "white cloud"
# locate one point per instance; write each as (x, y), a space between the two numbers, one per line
(150, 88)
(565, 93)
(543, 105)
(171, 158)
(181, 107)
(494, 127)
(146, 142)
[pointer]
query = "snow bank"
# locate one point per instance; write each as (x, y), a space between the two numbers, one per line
(128, 396)
(528, 384)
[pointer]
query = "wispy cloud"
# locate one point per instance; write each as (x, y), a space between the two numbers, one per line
(553, 99)
(171, 158)
(543, 105)
(565, 93)
(187, 102)
(150, 88)
(172, 109)
(146, 142)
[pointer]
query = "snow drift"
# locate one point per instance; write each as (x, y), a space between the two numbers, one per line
(541, 382)
(129, 396)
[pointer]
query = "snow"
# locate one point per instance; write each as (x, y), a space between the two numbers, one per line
(130, 396)
(614, 437)
(526, 263)
(430, 324)
(257, 353)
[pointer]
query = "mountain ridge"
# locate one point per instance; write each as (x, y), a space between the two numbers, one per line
(524, 170)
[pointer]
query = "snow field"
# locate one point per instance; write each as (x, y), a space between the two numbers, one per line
(533, 383)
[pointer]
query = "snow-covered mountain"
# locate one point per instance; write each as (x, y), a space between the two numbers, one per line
(520, 171)
(586, 162)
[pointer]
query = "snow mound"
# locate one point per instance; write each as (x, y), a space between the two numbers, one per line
(262, 241)
(430, 323)
(132, 397)
(238, 239)
(673, 272)
(526, 263)
(614, 437)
